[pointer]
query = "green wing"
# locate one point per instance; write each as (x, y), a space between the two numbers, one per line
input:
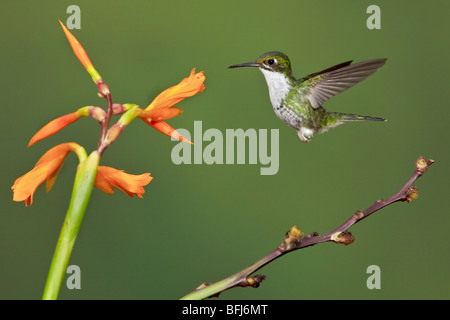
(321, 86)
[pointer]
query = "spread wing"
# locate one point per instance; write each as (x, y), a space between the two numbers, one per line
(321, 86)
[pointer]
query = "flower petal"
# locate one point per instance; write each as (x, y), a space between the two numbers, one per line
(45, 169)
(186, 88)
(161, 114)
(81, 54)
(51, 180)
(131, 184)
(54, 126)
(165, 128)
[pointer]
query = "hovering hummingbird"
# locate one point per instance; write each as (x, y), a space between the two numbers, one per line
(299, 102)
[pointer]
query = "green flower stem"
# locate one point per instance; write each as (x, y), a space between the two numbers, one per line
(82, 189)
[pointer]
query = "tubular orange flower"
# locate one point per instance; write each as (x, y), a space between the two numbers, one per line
(165, 128)
(159, 108)
(81, 54)
(131, 184)
(46, 168)
(54, 126)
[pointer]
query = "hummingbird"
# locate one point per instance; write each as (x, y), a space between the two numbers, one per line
(298, 102)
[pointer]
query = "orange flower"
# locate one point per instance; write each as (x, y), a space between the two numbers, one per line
(46, 168)
(131, 184)
(81, 54)
(162, 108)
(159, 108)
(165, 128)
(54, 126)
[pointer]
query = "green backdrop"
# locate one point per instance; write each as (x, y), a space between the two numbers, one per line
(201, 223)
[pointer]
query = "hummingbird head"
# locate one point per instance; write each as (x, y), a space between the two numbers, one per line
(273, 61)
(276, 68)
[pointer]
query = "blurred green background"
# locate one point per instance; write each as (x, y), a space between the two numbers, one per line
(201, 223)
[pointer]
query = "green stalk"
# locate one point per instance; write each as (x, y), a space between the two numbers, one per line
(82, 189)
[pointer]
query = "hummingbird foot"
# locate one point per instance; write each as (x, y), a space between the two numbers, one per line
(305, 134)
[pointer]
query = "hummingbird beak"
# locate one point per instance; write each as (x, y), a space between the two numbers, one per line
(247, 64)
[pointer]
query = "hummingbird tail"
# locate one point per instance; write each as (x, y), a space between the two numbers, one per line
(355, 117)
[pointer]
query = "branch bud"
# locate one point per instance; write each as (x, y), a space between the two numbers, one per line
(421, 165)
(294, 232)
(343, 237)
(254, 281)
(411, 194)
(202, 286)
(292, 239)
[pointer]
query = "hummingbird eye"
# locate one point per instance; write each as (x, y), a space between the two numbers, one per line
(271, 62)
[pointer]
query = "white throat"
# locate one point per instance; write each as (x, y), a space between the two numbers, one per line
(278, 86)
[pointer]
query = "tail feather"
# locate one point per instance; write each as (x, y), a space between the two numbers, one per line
(355, 117)
(334, 119)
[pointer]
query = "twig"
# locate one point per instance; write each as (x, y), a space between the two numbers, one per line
(294, 240)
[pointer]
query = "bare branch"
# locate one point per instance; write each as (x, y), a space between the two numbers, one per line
(294, 240)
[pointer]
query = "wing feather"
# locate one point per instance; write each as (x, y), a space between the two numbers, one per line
(321, 86)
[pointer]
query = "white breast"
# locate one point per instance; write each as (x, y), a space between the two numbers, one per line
(278, 86)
